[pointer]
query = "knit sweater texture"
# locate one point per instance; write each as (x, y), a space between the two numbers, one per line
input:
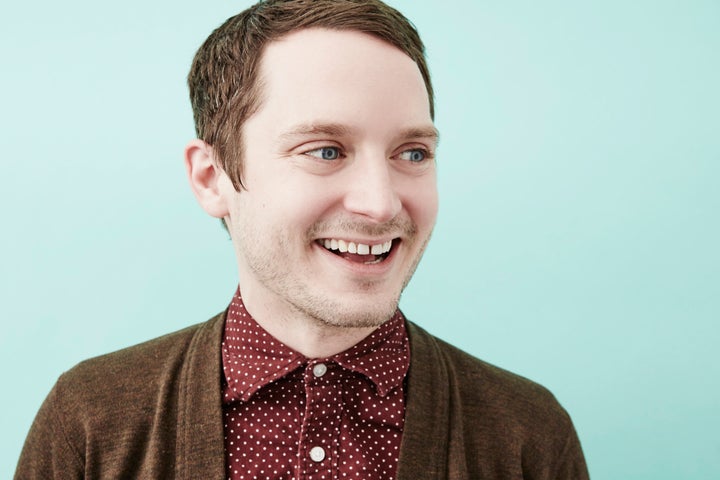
(154, 411)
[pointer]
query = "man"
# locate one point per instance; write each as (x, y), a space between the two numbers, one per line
(316, 149)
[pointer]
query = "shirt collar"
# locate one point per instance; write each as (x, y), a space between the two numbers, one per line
(252, 358)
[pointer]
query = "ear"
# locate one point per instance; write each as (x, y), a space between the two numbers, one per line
(206, 178)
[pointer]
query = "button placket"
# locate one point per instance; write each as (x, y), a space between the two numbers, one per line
(320, 429)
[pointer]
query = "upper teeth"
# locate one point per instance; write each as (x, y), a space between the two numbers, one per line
(359, 248)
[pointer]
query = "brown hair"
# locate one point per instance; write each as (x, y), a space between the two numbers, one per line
(223, 79)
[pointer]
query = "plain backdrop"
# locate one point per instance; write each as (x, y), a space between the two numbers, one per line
(577, 242)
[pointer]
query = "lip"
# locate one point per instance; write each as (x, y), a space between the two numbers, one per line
(361, 269)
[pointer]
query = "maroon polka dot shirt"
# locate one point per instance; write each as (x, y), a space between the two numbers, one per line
(290, 417)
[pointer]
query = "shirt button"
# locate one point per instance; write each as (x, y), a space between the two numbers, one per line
(317, 454)
(319, 370)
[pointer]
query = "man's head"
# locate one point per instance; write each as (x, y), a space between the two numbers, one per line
(224, 85)
(339, 188)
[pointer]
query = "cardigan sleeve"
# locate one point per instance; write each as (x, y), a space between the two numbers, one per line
(48, 452)
(571, 463)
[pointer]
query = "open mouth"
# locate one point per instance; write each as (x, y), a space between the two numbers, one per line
(358, 252)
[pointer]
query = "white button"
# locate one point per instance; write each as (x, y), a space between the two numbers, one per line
(317, 454)
(319, 369)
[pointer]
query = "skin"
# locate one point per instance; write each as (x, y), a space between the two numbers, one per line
(342, 147)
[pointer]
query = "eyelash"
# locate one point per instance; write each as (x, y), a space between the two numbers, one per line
(427, 155)
(321, 157)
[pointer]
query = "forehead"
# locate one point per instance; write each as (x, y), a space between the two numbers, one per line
(319, 70)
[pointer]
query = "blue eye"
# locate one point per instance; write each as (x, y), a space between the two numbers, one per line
(415, 156)
(326, 153)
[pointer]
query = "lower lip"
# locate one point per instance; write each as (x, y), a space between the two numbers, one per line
(362, 268)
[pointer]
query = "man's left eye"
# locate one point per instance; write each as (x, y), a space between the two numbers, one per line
(415, 155)
(325, 153)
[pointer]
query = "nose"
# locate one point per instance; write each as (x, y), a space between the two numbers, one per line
(372, 192)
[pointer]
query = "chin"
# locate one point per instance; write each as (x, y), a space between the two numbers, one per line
(362, 312)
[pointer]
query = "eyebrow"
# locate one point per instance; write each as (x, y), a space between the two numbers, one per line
(330, 129)
(429, 132)
(339, 130)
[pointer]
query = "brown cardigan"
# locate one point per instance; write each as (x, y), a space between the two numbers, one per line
(153, 411)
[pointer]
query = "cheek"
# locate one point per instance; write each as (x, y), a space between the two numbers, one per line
(421, 204)
(310, 200)
(289, 221)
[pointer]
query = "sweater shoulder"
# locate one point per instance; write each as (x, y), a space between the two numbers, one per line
(131, 373)
(117, 415)
(495, 423)
(496, 389)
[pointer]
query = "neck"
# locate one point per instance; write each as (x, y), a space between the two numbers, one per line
(316, 341)
(308, 336)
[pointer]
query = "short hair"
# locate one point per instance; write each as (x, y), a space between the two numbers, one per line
(223, 79)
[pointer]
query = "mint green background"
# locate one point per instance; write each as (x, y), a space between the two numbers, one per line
(577, 242)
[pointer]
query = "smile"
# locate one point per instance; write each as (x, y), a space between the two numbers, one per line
(358, 252)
